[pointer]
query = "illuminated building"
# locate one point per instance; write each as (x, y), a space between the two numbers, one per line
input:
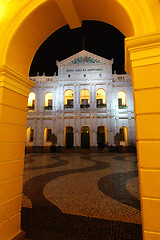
(84, 106)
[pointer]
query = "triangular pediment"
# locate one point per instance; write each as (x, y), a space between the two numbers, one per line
(84, 58)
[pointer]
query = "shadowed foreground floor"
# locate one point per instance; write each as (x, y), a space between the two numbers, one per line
(81, 196)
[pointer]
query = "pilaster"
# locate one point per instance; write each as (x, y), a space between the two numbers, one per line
(143, 62)
(14, 91)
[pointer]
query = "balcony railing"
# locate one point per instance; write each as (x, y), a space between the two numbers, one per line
(85, 106)
(101, 105)
(122, 106)
(31, 108)
(68, 106)
(48, 107)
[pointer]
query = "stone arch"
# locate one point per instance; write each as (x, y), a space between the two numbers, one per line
(127, 16)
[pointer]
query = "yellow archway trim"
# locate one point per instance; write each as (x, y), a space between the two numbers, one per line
(69, 12)
(140, 15)
(16, 12)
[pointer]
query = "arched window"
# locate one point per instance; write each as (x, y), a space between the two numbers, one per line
(124, 135)
(101, 98)
(85, 137)
(121, 99)
(29, 136)
(84, 99)
(31, 101)
(48, 101)
(69, 137)
(68, 99)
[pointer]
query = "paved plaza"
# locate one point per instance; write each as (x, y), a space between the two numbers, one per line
(75, 196)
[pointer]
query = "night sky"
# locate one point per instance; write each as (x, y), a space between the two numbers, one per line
(99, 38)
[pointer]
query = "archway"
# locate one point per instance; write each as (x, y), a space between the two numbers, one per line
(85, 137)
(139, 21)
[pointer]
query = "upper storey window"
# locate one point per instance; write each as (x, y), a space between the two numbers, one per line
(84, 99)
(101, 98)
(121, 99)
(31, 101)
(68, 99)
(48, 101)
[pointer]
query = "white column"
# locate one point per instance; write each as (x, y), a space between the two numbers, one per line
(94, 95)
(35, 132)
(62, 98)
(39, 132)
(78, 97)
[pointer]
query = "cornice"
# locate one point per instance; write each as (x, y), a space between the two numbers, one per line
(142, 50)
(13, 80)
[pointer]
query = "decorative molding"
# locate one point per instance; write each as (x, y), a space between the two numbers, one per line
(14, 81)
(80, 60)
(142, 50)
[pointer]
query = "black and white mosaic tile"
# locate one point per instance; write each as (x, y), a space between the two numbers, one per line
(81, 196)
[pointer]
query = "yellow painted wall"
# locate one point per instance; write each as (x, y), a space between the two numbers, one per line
(144, 57)
(24, 25)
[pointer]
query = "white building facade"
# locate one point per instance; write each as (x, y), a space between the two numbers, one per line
(85, 106)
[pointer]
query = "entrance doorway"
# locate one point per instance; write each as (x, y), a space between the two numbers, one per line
(101, 137)
(69, 137)
(85, 137)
